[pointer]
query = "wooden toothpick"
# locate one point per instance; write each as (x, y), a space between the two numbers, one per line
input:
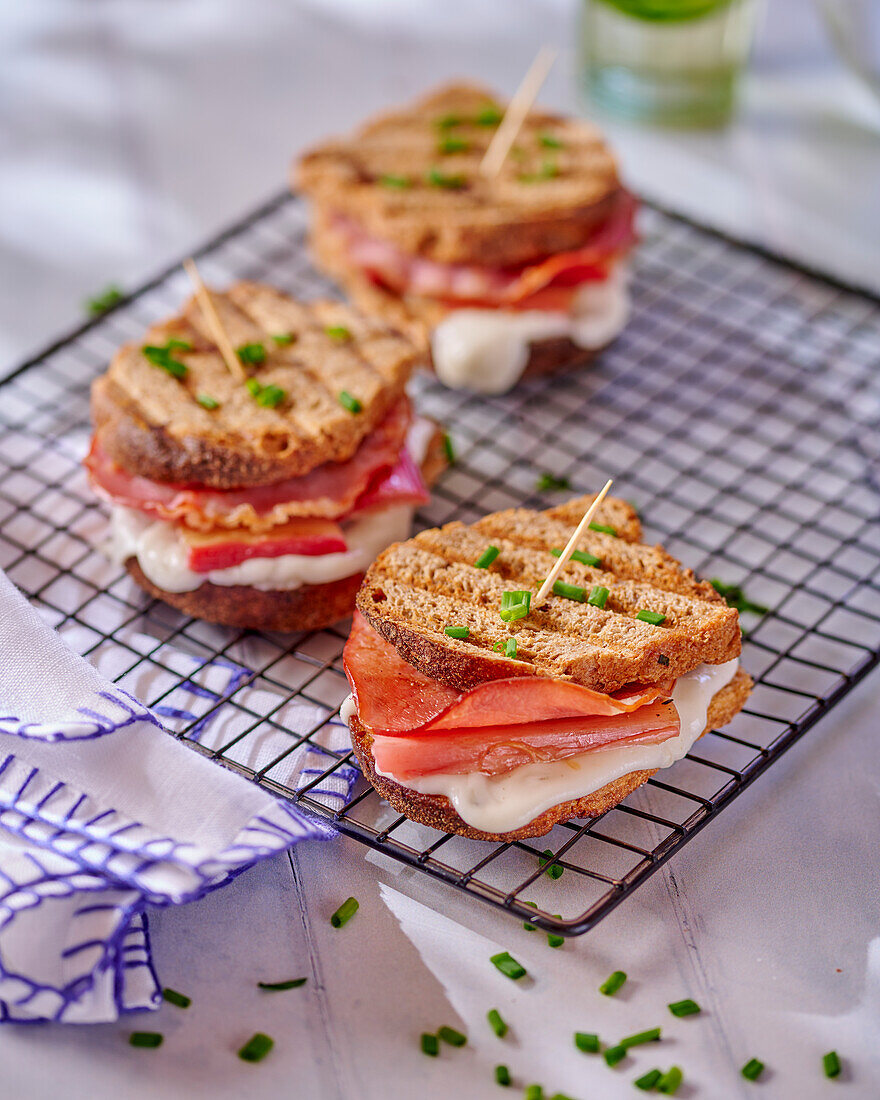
(212, 319)
(566, 553)
(517, 110)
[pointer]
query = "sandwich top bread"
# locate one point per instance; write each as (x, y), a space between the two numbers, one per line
(484, 271)
(260, 501)
(476, 714)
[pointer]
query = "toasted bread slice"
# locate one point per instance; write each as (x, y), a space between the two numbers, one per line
(415, 589)
(437, 811)
(152, 424)
(411, 177)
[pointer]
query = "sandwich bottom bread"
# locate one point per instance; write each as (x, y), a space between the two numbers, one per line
(474, 714)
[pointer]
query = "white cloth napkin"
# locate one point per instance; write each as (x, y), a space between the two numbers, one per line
(102, 813)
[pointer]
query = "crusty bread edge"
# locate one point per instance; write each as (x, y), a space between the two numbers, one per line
(436, 811)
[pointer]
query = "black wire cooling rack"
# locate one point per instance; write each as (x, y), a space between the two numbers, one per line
(738, 411)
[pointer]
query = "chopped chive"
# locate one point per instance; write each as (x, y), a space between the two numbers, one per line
(686, 1007)
(553, 940)
(443, 179)
(347, 401)
(338, 332)
(611, 984)
(549, 169)
(448, 121)
(649, 1036)
(207, 401)
(253, 387)
(508, 966)
(655, 618)
(662, 659)
(736, 597)
(587, 1042)
(554, 870)
(649, 1080)
(502, 1075)
(448, 448)
(251, 353)
(147, 1039)
(496, 1023)
(533, 1092)
(831, 1064)
(174, 343)
(613, 1055)
(583, 556)
(270, 397)
(451, 1036)
(549, 483)
(550, 141)
(530, 927)
(430, 1044)
(498, 646)
(752, 1070)
(108, 298)
(345, 912)
(256, 1048)
(279, 987)
(487, 557)
(669, 1082)
(569, 591)
(396, 183)
(453, 145)
(603, 529)
(490, 115)
(515, 605)
(510, 647)
(456, 631)
(283, 339)
(161, 357)
(598, 598)
(560, 1096)
(175, 998)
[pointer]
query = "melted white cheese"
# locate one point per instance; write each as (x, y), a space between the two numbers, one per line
(486, 350)
(502, 803)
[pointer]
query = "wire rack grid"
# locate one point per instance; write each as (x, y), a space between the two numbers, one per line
(738, 411)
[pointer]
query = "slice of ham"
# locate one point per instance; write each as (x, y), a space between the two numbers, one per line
(378, 468)
(525, 287)
(308, 536)
(421, 726)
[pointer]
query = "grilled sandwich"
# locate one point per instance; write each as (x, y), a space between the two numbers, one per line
(474, 713)
(259, 502)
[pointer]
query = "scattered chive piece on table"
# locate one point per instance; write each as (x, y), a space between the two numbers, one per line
(283, 339)
(736, 597)
(613, 1055)
(549, 483)
(508, 966)
(655, 618)
(555, 870)
(587, 1042)
(207, 401)
(510, 647)
(649, 1080)
(502, 1075)
(451, 1036)
(598, 598)
(147, 1039)
(533, 1092)
(489, 116)
(553, 940)
(175, 998)
(108, 298)
(831, 1064)
(162, 357)
(582, 556)
(430, 1045)
(251, 353)
(550, 141)
(560, 1096)
(448, 448)
(256, 1048)
(487, 557)
(442, 179)
(337, 332)
(669, 1082)
(398, 183)
(456, 631)
(603, 529)
(278, 987)
(270, 397)
(752, 1070)
(530, 927)
(686, 1007)
(348, 401)
(496, 1023)
(344, 913)
(453, 145)
(612, 983)
(569, 591)
(649, 1036)
(515, 605)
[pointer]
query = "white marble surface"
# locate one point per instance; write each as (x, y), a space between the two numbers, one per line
(131, 130)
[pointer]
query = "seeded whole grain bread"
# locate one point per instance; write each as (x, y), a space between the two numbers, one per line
(415, 589)
(151, 424)
(554, 188)
(437, 812)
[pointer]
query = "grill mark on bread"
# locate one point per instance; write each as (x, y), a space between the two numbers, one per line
(416, 588)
